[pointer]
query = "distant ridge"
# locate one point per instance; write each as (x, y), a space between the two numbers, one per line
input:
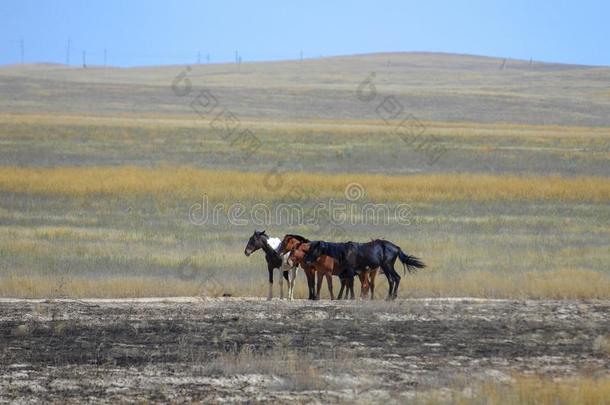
(355, 55)
(429, 85)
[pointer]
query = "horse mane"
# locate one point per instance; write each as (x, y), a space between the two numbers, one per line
(300, 238)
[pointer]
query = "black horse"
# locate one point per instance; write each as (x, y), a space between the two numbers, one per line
(356, 257)
(259, 240)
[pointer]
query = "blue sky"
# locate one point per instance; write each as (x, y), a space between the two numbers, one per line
(174, 32)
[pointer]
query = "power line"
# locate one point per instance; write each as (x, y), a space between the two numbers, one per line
(103, 55)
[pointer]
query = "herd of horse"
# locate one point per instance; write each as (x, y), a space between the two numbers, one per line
(327, 259)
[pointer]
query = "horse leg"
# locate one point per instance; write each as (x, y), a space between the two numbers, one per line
(363, 284)
(281, 284)
(372, 276)
(388, 273)
(290, 275)
(396, 284)
(347, 283)
(329, 283)
(319, 284)
(311, 274)
(294, 279)
(293, 276)
(286, 274)
(270, 294)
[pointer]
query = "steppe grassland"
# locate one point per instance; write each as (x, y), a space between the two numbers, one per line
(184, 182)
(120, 227)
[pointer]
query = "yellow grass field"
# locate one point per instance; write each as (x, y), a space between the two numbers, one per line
(528, 389)
(554, 284)
(184, 182)
(337, 127)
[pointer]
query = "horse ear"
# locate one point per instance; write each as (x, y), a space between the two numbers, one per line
(263, 232)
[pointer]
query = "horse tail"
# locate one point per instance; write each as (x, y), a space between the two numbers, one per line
(410, 263)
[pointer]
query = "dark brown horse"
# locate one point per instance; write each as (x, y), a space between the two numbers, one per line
(326, 266)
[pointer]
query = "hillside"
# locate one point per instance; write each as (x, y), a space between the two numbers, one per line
(431, 86)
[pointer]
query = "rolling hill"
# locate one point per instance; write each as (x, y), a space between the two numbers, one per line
(430, 86)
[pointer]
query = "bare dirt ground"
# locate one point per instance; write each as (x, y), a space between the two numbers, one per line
(251, 350)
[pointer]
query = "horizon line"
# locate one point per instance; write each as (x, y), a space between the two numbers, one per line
(321, 57)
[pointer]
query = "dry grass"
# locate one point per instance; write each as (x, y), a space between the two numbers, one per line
(524, 390)
(601, 345)
(337, 127)
(296, 369)
(432, 86)
(184, 182)
(106, 287)
(555, 284)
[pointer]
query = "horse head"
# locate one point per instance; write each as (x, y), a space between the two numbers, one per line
(256, 241)
(297, 253)
(290, 242)
(316, 249)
